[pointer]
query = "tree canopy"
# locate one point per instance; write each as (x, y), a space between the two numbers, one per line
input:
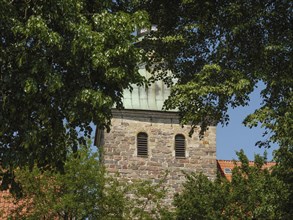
(64, 64)
(253, 193)
(85, 191)
(219, 51)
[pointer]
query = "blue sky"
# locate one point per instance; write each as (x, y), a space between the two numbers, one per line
(236, 136)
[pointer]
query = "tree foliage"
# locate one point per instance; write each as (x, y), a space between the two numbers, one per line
(84, 191)
(64, 64)
(48, 194)
(253, 193)
(219, 51)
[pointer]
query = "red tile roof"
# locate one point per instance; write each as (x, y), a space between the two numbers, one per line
(6, 204)
(230, 164)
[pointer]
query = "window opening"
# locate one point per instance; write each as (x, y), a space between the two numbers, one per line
(179, 145)
(227, 171)
(142, 144)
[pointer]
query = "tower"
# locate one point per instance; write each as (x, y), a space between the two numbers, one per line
(145, 142)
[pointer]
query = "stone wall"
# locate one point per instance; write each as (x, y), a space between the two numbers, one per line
(120, 154)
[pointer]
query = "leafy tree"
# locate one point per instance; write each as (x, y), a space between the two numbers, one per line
(200, 199)
(64, 64)
(219, 51)
(48, 194)
(253, 193)
(84, 191)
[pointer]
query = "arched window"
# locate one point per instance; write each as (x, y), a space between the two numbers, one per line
(179, 145)
(142, 144)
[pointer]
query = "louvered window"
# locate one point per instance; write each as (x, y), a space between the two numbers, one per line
(142, 144)
(179, 145)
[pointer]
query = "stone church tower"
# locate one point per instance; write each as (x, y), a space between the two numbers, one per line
(145, 141)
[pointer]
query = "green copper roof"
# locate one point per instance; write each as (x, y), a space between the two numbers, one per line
(146, 98)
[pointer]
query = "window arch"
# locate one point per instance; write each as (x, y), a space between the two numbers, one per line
(179, 145)
(142, 144)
